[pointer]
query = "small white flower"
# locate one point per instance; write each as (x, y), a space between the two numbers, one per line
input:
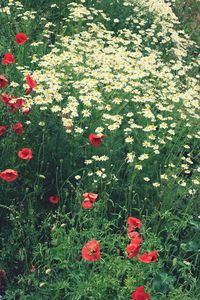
(138, 167)
(156, 184)
(54, 5)
(88, 162)
(146, 179)
(129, 139)
(143, 156)
(42, 284)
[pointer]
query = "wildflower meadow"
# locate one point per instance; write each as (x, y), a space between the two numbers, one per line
(99, 151)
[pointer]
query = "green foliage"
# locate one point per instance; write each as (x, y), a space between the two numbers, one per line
(188, 12)
(41, 242)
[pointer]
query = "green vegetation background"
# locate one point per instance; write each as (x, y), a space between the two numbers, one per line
(188, 12)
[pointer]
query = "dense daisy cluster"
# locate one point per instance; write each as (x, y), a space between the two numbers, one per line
(16, 6)
(133, 84)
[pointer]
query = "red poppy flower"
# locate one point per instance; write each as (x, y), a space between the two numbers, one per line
(133, 234)
(3, 129)
(137, 240)
(15, 104)
(25, 154)
(9, 101)
(133, 223)
(91, 251)
(149, 257)
(9, 175)
(19, 103)
(132, 249)
(54, 199)
(8, 59)
(21, 38)
(5, 98)
(12, 102)
(140, 294)
(96, 139)
(28, 91)
(89, 199)
(87, 204)
(90, 196)
(3, 81)
(18, 128)
(30, 81)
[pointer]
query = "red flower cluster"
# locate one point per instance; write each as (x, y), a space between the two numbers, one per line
(16, 104)
(89, 199)
(91, 251)
(18, 128)
(149, 257)
(10, 175)
(134, 247)
(20, 38)
(12, 103)
(8, 58)
(96, 139)
(133, 223)
(139, 294)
